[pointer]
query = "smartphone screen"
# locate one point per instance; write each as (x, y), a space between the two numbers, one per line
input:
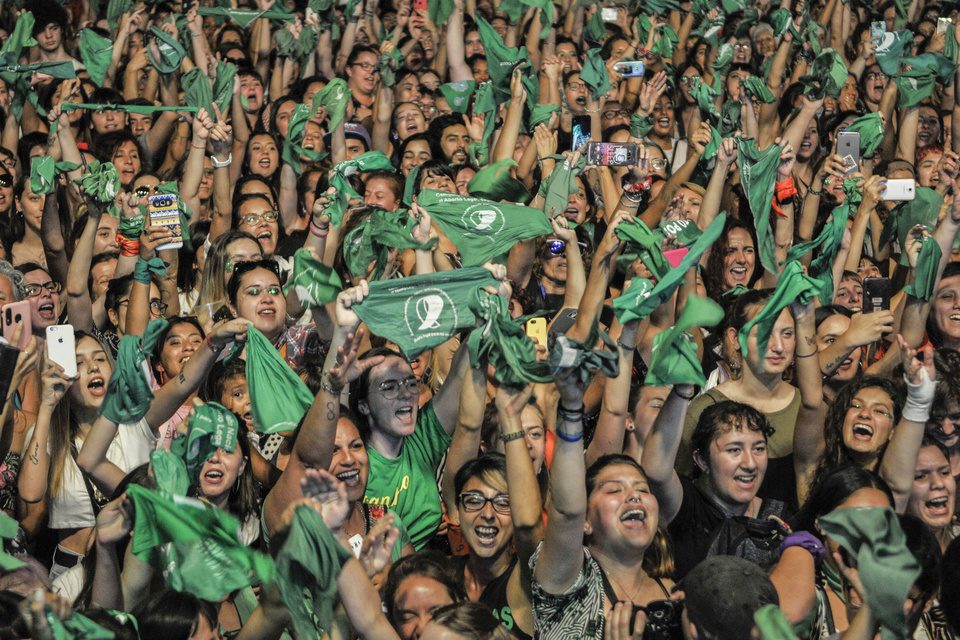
(581, 131)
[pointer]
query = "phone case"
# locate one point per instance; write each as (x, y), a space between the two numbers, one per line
(848, 148)
(62, 349)
(8, 364)
(876, 294)
(537, 329)
(899, 190)
(612, 154)
(10, 315)
(580, 131)
(632, 69)
(164, 210)
(877, 29)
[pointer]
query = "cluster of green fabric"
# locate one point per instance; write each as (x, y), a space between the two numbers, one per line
(583, 358)
(594, 74)
(928, 264)
(924, 209)
(369, 161)
(278, 397)
(674, 356)
(315, 283)
(918, 81)
(758, 173)
(557, 188)
(374, 238)
(870, 128)
(458, 94)
(504, 344)
(8, 531)
(129, 393)
(101, 181)
(496, 182)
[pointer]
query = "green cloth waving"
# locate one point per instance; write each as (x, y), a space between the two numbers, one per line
(421, 312)
(76, 627)
(171, 52)
(375, 237)
(561, 184)
(8, 531)
(278, 397)
(169, 469)
(893, 47)
(212, 426)
(458, 94)
(197, 91)
(757, 88)
(705, 97)
(627, 304)
(293, 147)
(648, 246)
(96, 53)
(793, 284)
(758, 173)
(887, 568)
(43, 169)
(594, 74)
(129, 393)
(369, 161)
(482, 229)
(315, 283)
(201, 548)
(829, 72)
(567, 353)
(674, 356)
(494, 182)
(870, 128)
(333, 98)
(504, 343)
(918, 82)
(101, 181)
(308, 566)
(501, 59)
(927, 269)
(439, 11)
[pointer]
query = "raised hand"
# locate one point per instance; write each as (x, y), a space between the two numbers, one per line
(152, 237)
(330, 495)
(346, 317)
(377, 550)
(348, 368)
(651, 92)
(115, 521)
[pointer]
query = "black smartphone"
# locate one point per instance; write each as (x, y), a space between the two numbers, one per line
(663, 620)
(876, 294)
(565, 319)
(580, 131)
(8, 364)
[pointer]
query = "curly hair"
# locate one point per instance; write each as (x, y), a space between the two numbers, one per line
(713, 270)
(722, 417)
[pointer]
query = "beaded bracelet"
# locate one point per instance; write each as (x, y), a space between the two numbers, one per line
(510, 437)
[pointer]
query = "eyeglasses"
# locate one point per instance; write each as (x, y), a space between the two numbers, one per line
(254, 218)
(391, 388)
(477, 501)
(876, 76)
(143, 191)
(577, 86)
(33, 290)
(366, 66)
(613, 113)
(6, 181)
(158, 307)
(658, 163)
(741, 47)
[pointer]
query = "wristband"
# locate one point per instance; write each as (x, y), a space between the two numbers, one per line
(220, 165)
(804, 540)
(919, 399)
(683, 397)
(128, 247)
(786, 189)
(572, 437)
(144, 271)
(316, 230)
(578, 415)
(510, 437)
(329, 388)
(632, 198)
(814, 192)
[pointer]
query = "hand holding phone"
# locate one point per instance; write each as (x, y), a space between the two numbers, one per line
(12, 316)
(62, 349)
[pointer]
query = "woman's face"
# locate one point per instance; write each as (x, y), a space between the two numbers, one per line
(260, 219)
(107, 120)
(737, 465)
(414, 602)
(264, 155)
(740, 258)
(416, 153)
(742, 51)
(811, 140)
(849, 94)
(867, 269)
(408, 88)
(409, 120)
(464, 176)
(554, 264)
(284, 111)
(827, 333)
(534, 434)
(663, 117)
(206, 180)
(93, 372)
(350, 463)
(621, 509)
(430, 79)
(438, 182)
(934, 489)
(260, 300)
(647, 409)
(127, 160)
(928, 127)
(686, 84)
(219, 474)
(31, 205)
(849, 295)
(487, 532)
(946, 308)
(658, 162)
(44, 307)
(241, 250)
(780, 347)
(395, 416)
(182, 341)
(236, 398)
(927, 173)
(577, 205)
(868, 423)
(765, 44)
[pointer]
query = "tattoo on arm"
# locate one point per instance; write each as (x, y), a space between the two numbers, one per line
(331, 414)
(35, 456)
(183, 378)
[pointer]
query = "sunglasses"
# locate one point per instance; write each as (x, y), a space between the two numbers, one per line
(557, 247)
(6, 180)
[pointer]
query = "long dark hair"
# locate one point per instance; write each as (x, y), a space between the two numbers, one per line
(713, 271)
(172, 615)
(832, 491)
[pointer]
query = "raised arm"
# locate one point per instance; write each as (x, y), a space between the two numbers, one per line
(456, 57)
(808, 438)
(466, 437)
(35, 471)
(611, 425)
(660, 452)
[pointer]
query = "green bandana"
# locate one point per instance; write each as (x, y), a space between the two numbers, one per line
(8, 531)
(439, 11)
(893, 47)
(594, 31)
(308, 566)
(546, 15)
(333, 98)
(21, 37)
(494, 182)
(674, 356)
(782, 21)
(646, 244)
(76, 627)
(541, 114)
(928, 264)
(369, 161)
(737, 290)
(278, 397)
(625, 305)
(129, 393)
(829, 72)
(131, 228)
(482, 229)
(793, 284)
(918, 82)
(372, 240)
(315, 283)
(201, 548)
(95, 52)
(144, 110)
(172, 52)
(42, 172)
(686, 232)
(886, 566)
(594, 74)
(421, 312)
(101, 181)
(299, 48)
(170, 471)
(212, 426)
(665, 41)
(640, 126)
(729, 118)
(296, 131)
(757, 89)
(773, 624)
(923, 209)
(567, 353)
(116, 9)
(501, 59)
(197, 91)
(705, 97)
(458, 94)
(17, 76)
(870, 128)
(504, 344)
(486, 103)
(244, 17)
(144, 270)
(560, 185)
(222, 87)
(410, 183)
(758, 173)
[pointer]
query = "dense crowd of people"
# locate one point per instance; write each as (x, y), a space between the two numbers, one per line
(478, 320)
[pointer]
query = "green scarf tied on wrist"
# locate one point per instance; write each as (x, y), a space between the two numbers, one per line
(594, 74)
(101, 181)
(793, 284)
(200, 550)
(131, 228)
(144, 271)
(278, 397)
(171, 52)
(758, 174)
(169, 470)
(504, 344)
(458, 94)
(674, 356)
(315, 283)
(76, 627)
(773, 624)
(888, 570)
(373, 239)
(891, 49)
(495, 182)
(757, 89)
(212, 426)
(308, 566)
(640, 126)
(129, 393)
(369, 161)
(96, 53)
(560, 185)
(423, 311)
(481, 229)
(870, 128)
(928, 267)
(567, 353)
(8, 531)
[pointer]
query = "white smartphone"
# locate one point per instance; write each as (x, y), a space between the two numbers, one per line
(942, 25)
(899, 190)
(62, 349)
(609, 14)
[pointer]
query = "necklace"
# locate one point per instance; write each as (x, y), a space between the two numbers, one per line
(632, 597)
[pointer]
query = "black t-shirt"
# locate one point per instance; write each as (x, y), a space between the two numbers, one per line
(701, 530)
(495, 596)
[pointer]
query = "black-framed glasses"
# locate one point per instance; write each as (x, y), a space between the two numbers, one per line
(613, 113)
(254, 219)
(158, 307)
(33, 290)
(366, 66)
(876, 76)
(391, 388)
(143, 191)
(471, 502)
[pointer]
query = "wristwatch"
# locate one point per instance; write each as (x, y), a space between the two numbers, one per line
(220, 165)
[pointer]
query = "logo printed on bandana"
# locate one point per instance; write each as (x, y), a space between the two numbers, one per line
(429, 309)
(482, 220)
(429, 312)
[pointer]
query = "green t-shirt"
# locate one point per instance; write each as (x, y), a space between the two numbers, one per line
(408, 484)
